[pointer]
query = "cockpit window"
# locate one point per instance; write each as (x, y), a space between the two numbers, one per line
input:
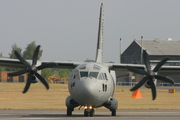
(82, 67)
(75, 75)
(102, 76)
(84, 74)
(93, 74)
(96, 67)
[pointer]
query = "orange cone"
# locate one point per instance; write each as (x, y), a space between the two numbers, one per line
(136, 94)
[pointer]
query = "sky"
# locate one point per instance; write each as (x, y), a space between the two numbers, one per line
(68, 29)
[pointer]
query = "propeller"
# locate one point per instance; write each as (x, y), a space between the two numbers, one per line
(149, 75)
(32, 69)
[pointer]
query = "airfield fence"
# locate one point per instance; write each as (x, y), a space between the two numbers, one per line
(134, 83)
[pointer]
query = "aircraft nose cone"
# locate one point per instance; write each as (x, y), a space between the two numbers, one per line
(87, 91)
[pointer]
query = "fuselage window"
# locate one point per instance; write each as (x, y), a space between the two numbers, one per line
(84, 74)
(93, 74)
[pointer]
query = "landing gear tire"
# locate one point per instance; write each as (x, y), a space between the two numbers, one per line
(69, 111)
(86, 113)
(91, 112)
(113, 112)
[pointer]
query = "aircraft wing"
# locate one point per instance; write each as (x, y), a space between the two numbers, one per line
(169, 70)
(123, 67)
(63, 64)
(6, 62)
(164, 70)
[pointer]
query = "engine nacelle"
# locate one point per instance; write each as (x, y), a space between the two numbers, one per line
(111, 104)
(71, 103)
(147, 84)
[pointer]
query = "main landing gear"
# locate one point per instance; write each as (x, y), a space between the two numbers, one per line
(69, 111)
(113, 112)
(89, 111)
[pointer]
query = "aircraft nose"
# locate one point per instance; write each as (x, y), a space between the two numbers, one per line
(87, 91)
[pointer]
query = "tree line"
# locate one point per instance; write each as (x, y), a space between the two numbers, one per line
(28, 54)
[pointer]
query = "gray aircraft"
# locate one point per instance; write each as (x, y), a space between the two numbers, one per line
(91, 84)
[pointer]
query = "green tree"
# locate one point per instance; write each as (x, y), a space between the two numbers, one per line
(28, 53)
(1, 54)
(2, 68)
(64, 73)
(46, 73)
(15, 48)
(13, 56)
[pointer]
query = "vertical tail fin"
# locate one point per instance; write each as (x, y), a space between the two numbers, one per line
(100, 36)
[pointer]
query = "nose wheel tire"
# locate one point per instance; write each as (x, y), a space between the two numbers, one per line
(89, 112)
(86, 113)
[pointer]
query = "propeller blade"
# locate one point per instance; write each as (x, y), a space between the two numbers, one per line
(138, 71)
(158, 66)
(28, 83)
(46, 66)
(42, 80)
(18, 73)
(35, 55)
(146, 60)
(137, 86)
(165, 79)
(22, 59)
(153, 89)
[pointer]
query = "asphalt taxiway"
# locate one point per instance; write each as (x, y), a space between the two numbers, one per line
(99, 115)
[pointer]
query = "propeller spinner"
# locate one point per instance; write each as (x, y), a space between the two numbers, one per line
(32, 69)
(149, 75)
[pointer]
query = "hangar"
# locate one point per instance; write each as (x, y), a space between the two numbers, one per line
(5, 78)
(156, 49)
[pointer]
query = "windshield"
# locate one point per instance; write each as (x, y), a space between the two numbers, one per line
(93, 74)
(84, 74)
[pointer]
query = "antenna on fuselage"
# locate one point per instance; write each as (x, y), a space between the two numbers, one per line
(99, 50)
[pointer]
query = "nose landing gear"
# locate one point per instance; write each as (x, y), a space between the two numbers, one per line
(89, 111)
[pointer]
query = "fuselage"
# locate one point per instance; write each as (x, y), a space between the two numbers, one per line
(91, 84)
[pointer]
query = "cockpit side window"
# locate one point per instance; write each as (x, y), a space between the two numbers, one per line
(84, 74)
(102, 76)
(75, 75)
(93, 74)
(105, 76)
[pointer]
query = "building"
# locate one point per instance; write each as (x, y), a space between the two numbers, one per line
(157, 50)
(5, 78)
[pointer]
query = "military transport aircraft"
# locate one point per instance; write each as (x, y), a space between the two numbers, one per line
(91, 84)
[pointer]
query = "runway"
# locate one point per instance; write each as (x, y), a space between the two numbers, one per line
(99, 115)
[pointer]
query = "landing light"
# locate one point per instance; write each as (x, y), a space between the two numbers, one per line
(88, 107)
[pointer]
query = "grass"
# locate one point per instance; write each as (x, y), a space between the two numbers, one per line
(38, 97)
